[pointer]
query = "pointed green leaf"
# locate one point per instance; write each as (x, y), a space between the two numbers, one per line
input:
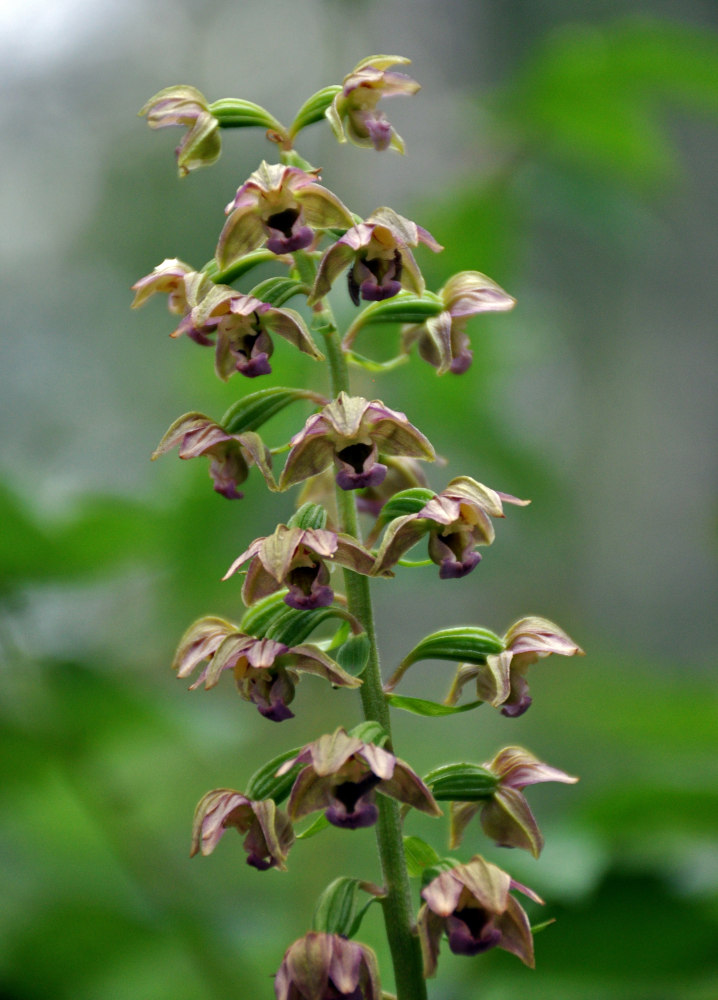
(252, 411)
(293, 627)
(359, 361)
(419, 706)
(309, 515)
(370, 732)
(319, 824)
(264, 783)
(277, 291)
(260, 617)
(233, 112)
(353, 654)
(406, 502)
(340, 907)
(466, 644)
(419, 855)
(239, 267)
(461, 783)
(314, 108)
(402, 308)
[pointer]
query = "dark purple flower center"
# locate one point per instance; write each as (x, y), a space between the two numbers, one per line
(309, 587)
(353, 806)
(453, 552)
(358, 467)
(375, 278)
(471, 931)
(287, 235)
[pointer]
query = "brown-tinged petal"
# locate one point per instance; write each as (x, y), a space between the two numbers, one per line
(461, 814)
(518, 768)
(401, 535)
(406, 786)
(430, 927)
(507, 819)
(287, 323)
(307, 968)
(199, 642)
(516, 935)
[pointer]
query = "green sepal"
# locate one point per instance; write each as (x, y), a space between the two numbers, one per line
(250, 412)
(278, 290)
(467, 644)
(340, 908)
(260, 617)
(319, 824)
(433, 871)
(264, 783)
(309, 515)
(370, 732)
(353, 655)
(314, 108)
(233, 112)
(238, 268)
(461, 783)
(402, 308)
(419, 855)
(537, 928)
(433, 709)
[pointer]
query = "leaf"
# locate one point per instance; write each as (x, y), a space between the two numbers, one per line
(232, 112)
(419, 706)
(309, 515)
(238, 268)
(461, 783)
(370, 732)
(319, 824)
(314, 108)
(406, 502)
(402, 308)
(276, 291)
(259, 618)
(250, 412)
(419, 855)
(340, 908)
(465, 644)
(353, 654)
(264, 783)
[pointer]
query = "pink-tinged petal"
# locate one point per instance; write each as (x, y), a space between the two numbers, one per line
(289, 324)
(406, 786)
(322, 209)
(401, 535)
(307, 963)
(226, 657)
(539, 636)
(248, 553)
(310, 659)
(279, 549)
(345, 966)
(336, 260)
(242, 232)
(308, 457)
(518, 768)
(507, 820)
(354, 556)
(516, 936)
(258, 583)
(168, 277)
(199, 642)
(380, 761)
(527, 892)
(209, 817)
(442, 894)
(435, 341)
(430, 928)
(260, 454)
(493, 679)
(331, 751)
(403, 229)
(310, 792)
(470, 293)
(461, 814)
(277, 830)
(486, 882)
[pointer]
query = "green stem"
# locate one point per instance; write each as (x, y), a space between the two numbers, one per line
(398, 910)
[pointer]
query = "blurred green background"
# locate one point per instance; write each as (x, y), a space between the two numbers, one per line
(567, 150)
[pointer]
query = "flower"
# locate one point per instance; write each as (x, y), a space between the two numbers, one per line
(353, 115)
(505, 816)
(171, 277)
(269, 832)
(350, 431)
(472, 905)
(442, 340)
(296, 558)
(280, 206)
(402, 474)
(380, 258)
(502, 679)
(186, 106)
(230, 454)
(323, 966)
(457, 519)
(342, 777)
(265, 670)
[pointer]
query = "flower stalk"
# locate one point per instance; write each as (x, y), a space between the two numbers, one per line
(283, 216)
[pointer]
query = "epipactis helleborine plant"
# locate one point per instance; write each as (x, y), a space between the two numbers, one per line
(353, 456)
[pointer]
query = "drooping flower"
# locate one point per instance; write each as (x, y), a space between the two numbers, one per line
(472, 905)
(169, 277)
(378, 257)
(186, 106)
(501, 681)
(297, 558)
(351, 432)
(264, 670)
(442, 339)
(342, 777)
(269, 831)
(457, 520)
(280, 207)
(323, 966)
(353, 114)
(230, 455)
(505, 815)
